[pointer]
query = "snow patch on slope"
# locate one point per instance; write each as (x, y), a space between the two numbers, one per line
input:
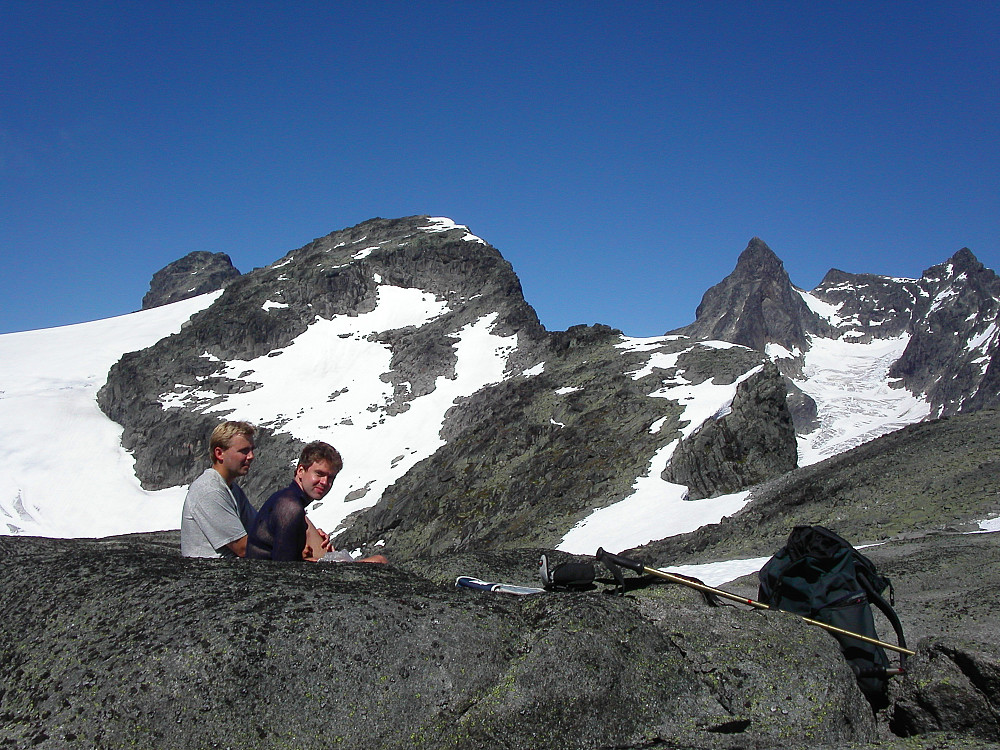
(63, 471)
(327, 385)
(656, 508)
(855, 403)
(444, 224)
(830, 313)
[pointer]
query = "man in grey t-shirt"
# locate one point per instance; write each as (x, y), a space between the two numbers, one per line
(216, 512)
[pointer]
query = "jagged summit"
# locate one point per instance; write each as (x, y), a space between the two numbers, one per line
(964, 261)
(755, 306)
(758, 261)
(938, 334)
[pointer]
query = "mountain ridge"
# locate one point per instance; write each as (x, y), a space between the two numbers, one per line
(408, 343)
(509, 426)
(546, 386)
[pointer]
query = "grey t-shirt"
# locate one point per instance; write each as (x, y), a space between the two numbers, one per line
(214, 515)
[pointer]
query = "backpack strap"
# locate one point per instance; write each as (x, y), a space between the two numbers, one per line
(877, 599)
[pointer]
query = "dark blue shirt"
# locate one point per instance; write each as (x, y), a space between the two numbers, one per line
(279, 533)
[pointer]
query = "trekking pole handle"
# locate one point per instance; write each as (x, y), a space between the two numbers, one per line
(624, 562)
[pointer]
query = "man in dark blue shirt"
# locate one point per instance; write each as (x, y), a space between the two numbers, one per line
(282, 531)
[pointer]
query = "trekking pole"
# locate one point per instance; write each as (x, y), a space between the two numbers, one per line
(638, 567)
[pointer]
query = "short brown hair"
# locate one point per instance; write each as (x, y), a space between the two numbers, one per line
(320, 451)
(222, 436)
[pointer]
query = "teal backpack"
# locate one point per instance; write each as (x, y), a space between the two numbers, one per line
(819, 575)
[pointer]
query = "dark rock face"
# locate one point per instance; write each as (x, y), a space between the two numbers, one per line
(527, 459)
(753, 442)
(196, 273)
(869, 306)
(755, 305)
(953, 686)
(953, 350)
(145, 649)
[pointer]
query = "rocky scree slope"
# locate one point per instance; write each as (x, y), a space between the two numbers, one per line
(524, 463)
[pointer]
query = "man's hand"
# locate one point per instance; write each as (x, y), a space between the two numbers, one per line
(327, 545)
(317, 542)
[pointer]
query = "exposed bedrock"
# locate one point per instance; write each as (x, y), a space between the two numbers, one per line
(196, 273)
(753, 441)
(141, 648)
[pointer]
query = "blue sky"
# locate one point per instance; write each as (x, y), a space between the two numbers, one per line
(619, 155)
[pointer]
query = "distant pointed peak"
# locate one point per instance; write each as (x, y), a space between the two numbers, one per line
(961, 262)
(835, 276)
(759, 260)
(964, 260)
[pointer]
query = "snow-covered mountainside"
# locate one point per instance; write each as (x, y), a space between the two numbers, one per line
(405, 343)
(463, 423)
(63, 471)
(408, 345)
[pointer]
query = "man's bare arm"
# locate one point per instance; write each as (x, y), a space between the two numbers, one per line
(239, 547)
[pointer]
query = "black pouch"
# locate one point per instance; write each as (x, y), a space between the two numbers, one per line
(571, 575)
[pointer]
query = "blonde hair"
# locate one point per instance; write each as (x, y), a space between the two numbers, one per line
(222, 436)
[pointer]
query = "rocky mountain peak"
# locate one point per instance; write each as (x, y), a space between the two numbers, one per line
(426, 279)
(950, 355)
(835, 276)
(756, 305)
(964, 261)
(758, 261)
(198, 272)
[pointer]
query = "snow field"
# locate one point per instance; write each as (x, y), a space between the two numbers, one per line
(63, 471)
(849, 383)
